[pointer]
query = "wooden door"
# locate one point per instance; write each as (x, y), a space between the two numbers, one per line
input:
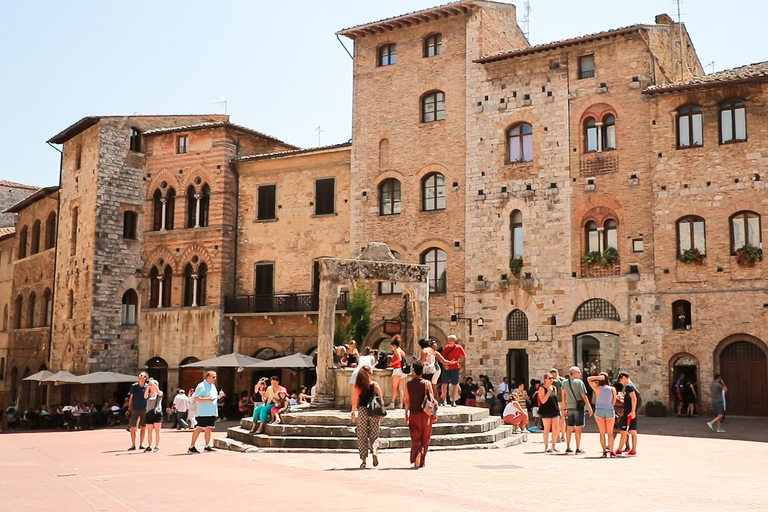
(745, 372)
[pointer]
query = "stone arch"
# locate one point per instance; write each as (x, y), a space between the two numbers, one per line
(732, 339)
(387, 174)
(597, 208)
(158, 178)
(129, 283)
(164, 253)
(432, 242)
(432, 168)
(438, 334)
(199, 251)
(596, 309)
(190, 178)
(598, 111)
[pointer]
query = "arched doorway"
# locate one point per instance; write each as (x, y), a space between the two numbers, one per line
(596, 351)
(158, 370)
(688, 366)
(517, 366)
(745, 371)
(265, 354)
(189, 378)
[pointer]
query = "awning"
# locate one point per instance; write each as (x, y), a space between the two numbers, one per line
(292, 361)
(226, 361)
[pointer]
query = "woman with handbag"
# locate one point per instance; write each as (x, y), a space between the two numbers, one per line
(420, 413)
(549, 411)
(154, 417)
(364, 404)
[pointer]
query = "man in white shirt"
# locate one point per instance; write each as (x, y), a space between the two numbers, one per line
(181, 404)
(503, 390)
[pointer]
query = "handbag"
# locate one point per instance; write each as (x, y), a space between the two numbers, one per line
(429, 405)
(579, 403)
(405, 366)
(376, 407)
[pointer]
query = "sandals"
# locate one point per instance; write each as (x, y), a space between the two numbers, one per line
(375, 460)
(362, 465)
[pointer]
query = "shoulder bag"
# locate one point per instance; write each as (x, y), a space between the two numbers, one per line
(429, 405)
(579, 402)
(376, 406)
(405, 366)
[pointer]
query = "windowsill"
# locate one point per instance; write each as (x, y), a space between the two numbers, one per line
(697, 146)
(385, 66)
(28, 329)
(432, 211)
(389, 214)
(432, 123)
(142, 153)
(320, 215)
(682, 330)
(130, 239)
(432, 56)
(735, 141)
(519, 163)
(265, 220)
(130, 326)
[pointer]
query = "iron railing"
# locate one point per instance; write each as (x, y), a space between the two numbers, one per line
(279, 303)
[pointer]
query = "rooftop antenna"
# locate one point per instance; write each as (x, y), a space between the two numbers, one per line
(526, 21)
(711, 64)
(222, 102)
(319, 130)
(683, 62)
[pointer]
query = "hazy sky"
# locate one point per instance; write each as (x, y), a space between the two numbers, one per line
(278, 63)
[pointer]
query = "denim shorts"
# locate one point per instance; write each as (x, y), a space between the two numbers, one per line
(606, 414)
(575, 418)
(719, 408)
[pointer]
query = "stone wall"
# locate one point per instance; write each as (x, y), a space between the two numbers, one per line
(7, 243)
(10, 194)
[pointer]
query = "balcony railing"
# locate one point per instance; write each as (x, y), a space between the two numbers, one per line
(279, 303)
(598, 270)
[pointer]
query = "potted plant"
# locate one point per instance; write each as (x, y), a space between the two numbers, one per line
(748, 255)
(515, 266)
(692, 255)
(655, 409)
(591, 258)
(610, 256)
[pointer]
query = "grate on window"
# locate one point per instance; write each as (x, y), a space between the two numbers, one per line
(743, 349)
(517, 325)
(596, 308)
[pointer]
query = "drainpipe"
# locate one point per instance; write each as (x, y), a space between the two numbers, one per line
(55, 252)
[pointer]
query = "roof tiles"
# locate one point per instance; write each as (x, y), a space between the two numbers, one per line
(748, 72)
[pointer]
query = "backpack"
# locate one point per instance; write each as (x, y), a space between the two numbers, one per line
(405, 366)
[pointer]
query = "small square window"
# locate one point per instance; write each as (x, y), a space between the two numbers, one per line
(637, 245)
(325, 200)
(130, 221)
(182, 144)
(265, 209)
(135, 145)
(586, 66)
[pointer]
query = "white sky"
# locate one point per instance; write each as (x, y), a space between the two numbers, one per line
(278, 63)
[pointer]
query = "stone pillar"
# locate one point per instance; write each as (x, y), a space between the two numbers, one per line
(197, 210)
(600, 240)
(162, 217)
(160, 291)
(194, 290)
(599, 136)
(326, 321)
(418, 294)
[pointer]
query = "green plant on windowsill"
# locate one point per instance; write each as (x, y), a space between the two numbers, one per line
(515, 266)
(748, 255)
(692, 255)
(591, 258)
(610, 256)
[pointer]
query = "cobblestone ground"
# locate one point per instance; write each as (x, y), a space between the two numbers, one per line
(84, 471)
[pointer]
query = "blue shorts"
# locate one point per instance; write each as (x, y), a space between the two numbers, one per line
(575, 418)
(719, 408)
(606, 414)
(449, 377)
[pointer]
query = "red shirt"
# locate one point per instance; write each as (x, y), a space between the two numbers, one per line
(452, 353)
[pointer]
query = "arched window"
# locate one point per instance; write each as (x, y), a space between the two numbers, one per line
(433, 192)
(130, 304)
(73, 232)
(71, 304)
(433, 45)
(690, 129)
(154, 288)
(520, 138)
(590, 135)
(592, 237)
(34, 246)
(48, 304)
(389, 197)
(436, 260)
(745, 230)
(610, 232)
(32, 310)
(167, 286)
(609, 132)
(191, 207)
(596, 308)
(188, 285)
(433, 107)
(5, 317)
(23, 243)
(157, 210)
(390, 288)
(733, 122)
(205, 202)
(516, 227)
(202, 278)
(170, 208)
(681, 315)
(517, 325)
(18, 308)
(387, 54)
(50, 231)
(691, 234)
(383, 154)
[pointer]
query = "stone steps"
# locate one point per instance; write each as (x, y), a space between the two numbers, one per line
(394, 417)
(350, 443)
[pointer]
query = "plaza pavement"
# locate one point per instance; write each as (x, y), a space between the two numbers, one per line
(692, 470)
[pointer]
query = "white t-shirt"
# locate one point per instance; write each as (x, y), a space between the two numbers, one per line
(181, 402)
(504, 389)
(511, 410)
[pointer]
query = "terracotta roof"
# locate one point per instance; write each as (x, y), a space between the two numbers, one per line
(33, 198)
(751, 72)
(203, 126)
(7, 232)
(558, 44)
(11, 184)
(412, 18)
(280, 154)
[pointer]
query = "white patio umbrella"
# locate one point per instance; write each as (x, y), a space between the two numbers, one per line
(293, 361)
(106, 378)
(62, 377)
(39, 376)
(226, 361)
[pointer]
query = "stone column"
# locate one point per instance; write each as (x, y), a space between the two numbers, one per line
(194, 290)
(197, 210)
(599, 136)
(418, 294)
(160, 291)
(162, 217)
(600, 240)
(326, 319)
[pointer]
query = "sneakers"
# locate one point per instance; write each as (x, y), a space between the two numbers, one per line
(579, 451)
(720, 430)
(453, 404)
(568, 451)
(632, 453)
(209, 449)
(132, 449)
(192, 449)
(711, 427)
(147, 449)
(156, 449)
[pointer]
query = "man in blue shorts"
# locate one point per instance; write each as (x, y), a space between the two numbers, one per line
(629, 420)
(717, 390)
(452, 353)
(206, 397)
